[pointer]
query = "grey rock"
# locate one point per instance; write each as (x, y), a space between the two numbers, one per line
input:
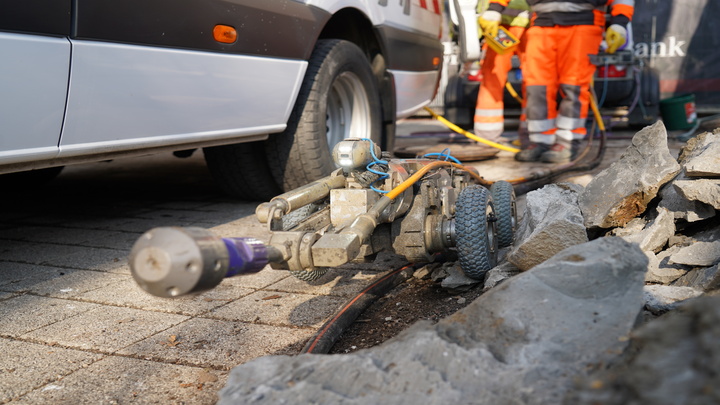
(523, 342)
(622, 191)
(636, 225)
(663, 298)
(703, 279)
(424, 272)
(456, 280)
(704, 190)
(698, 254)
(681, 207)
(656, 233)
(701, 156)
(660, 273)
(675, 359)
(660, 270)
(551, 223)
(499, 274)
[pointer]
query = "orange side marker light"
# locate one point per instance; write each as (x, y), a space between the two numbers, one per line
(225, 34)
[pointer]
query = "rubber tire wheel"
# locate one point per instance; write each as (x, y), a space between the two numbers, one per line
(242, 171)
(503, 196)
(309, 276)
(475, 234)
(338, 99)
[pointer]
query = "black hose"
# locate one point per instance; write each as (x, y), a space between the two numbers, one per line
(330, 332)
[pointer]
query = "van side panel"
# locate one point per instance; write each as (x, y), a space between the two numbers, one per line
(120, 94)
(277, 28)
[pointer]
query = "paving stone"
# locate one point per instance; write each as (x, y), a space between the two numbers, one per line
(72, 236)
(229, 344)
(280, 308)
(84, 258)
(104, 328)
(25, 313)
(32, 253)
(20, 277)
(132, 381)
(25, 366)
(75, 282)
(127, 293)
(261, 279)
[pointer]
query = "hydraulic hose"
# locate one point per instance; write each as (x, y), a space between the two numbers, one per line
(331, 331)
(470, 135)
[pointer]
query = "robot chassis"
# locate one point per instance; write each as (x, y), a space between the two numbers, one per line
(416, 207)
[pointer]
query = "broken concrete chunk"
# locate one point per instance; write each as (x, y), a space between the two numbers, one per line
(663, 298)
(698, 254)
(701, 156)
(704, 190)
(551, 223)
(656, 233)
(523, 342)
(499, 274)
(703, 279)
(662, 273)
(633, 227)
(681, 207)
(674, 361)
(456, 280)
(622, 191)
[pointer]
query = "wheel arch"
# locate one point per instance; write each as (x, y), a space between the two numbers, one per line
(353, 25)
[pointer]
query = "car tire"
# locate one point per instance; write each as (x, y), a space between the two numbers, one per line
(338, 99)
(241, 170)
(475, 239)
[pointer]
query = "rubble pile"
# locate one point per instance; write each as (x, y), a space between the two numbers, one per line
(608, 295)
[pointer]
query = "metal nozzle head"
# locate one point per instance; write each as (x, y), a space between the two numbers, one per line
(171, 262)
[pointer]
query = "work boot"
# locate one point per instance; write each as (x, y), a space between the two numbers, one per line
(560, 152)
(532, 153)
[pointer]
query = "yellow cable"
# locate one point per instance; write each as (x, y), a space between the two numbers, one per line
(513, 93)
(392, 194)
(470, 135)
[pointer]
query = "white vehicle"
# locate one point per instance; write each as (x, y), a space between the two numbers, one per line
(266, 87)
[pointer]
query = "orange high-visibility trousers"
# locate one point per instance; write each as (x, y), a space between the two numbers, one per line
(489, 109)
(558, 59)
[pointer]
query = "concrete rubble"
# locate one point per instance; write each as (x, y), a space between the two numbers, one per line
(608, 295)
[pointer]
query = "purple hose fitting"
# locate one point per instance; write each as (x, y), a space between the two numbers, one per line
(247, 255)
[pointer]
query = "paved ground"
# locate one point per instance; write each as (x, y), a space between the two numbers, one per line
(74, 328)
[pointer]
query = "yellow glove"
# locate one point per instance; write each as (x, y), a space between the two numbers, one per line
(615, 37)
(489, 22)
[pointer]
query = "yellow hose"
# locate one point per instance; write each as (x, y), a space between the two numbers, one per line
(470, 135)
(421, 172)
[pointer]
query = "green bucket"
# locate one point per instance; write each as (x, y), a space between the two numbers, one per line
(679, 112)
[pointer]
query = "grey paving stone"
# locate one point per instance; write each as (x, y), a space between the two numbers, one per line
(25, 313)
(343, 283)
(6, 295)
(245, 227)
(75, 282)
(132, 382)
(279, 308)
(261, 279)
(127, 293)
(230, 343)
(91, 258)
(26, 252)
(72, 236)
(25, 366)
(105, 328)
(21, 277)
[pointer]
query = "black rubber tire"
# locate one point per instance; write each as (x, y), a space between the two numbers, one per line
(242, 171)
(309, 276)
(338, 99)
(475, 231)
(503, 196)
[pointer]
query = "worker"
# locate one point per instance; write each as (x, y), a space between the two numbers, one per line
(489, 110)
(559, 42)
